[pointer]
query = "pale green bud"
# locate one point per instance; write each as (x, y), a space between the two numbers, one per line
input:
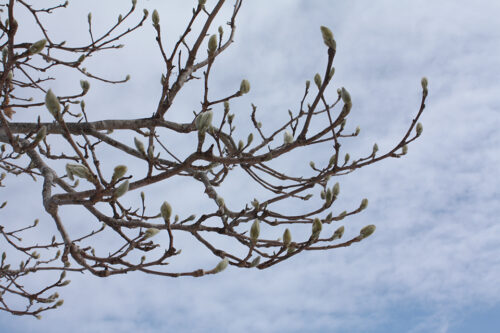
(328, 197)
(287, 237)
(150, 232)
(134, 2)
(89, 17)
(166, 211)
(364, 204)
(204, 121)
(328, 37)
(59, 303)
(222, 265)
(405, 149)
(255, 230)
(316, 228)
(85, 86)
(65, 282)
(122, 189)
(155, 18)
(287, 138)
(249, 139)
(346, 97)
(322, 194)
(244, 87)
(37, 47)
(308, 84)
(367, 231)
(119, 172)
(52, 104)
(140, 146)
(312, 164)
(78, 170)
(331, 161)
(255, 262)
(346, 158)
(221, 31)
(220, 201)
(226, 106)
(255, 203)
(202, 3)
(342, 215)
(375, 149)
(420, 128)
(357, 130)
(317, 80)
(338, 233)
(40, 135)
(240, 145)
(212, 44)
(424, 83)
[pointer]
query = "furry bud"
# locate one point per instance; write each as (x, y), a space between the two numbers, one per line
(367, 231)
(328, 37)
(52, 104)
(222, 265)
(150, 232)
(255, 231)
(338, 233)
(37, 47)
(85, 86)
(166, 211)
(316, 228)
(244, 87)
(287, 237)
(317, 80)
(212, 44)
(122, 189)
(287, 138)
(364, 204)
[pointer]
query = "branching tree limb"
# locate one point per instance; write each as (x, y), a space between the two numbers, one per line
(67, 156)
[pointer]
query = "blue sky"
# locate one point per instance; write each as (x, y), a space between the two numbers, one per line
(433, 264)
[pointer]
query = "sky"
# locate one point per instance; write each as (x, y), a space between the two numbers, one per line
(433, 264)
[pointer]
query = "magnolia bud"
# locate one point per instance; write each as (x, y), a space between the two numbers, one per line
(85, 86)
(244, 87)
(226, 106)
(89, 17)
(40, 135)
(317, 80)
(308, 84)
(255, 231)
(312, 164)
(122, 189)
(287, 237)
(375, 149)
(134, 2)
(221, 265)
(357, 130)
(364, 204)
(240, 145)
(328, 37)
(405, 149)
(166, 211)
(367, 231)
(119, 172)
(287, 137)
(140, 146)
(424, 83)
(420, 128)
(150, 232)
(338, 233)
(346, 97)
(328, 197)
(37, 47)
(249, 139)
(202, 3)
(316, 228)
(212, 44)
(52, 104)
(255, 262)
(155, 17)
(346, 158)
(221, 31)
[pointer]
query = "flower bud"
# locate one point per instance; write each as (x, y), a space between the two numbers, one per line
(240, 145)
(255, 262)
(122, 189)
(287, 237)
(364, 204)
(316, 228)
(312, 164)
(367, 231)
(85, 86)
(255, 231)
(357, 130)
(249, 139)
(140, 146)
(405, 150)
(336, 189)
(338, 233)
(221, 265)
(287, 138)
(155, 18)
(244, 87)
(119, 172)
(420, 128)
(424, 83)
(150, 233)
(37, 47)
(308, 84)
(328, 37)
(375, 149)
(346, 97)
(52, 104)
(212, 44)
(346, 158)
(166, 211)
(328, 197)
(202, 3)
(317, 80)
(40, 135)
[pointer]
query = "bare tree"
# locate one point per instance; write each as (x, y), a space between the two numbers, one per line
(67, 156)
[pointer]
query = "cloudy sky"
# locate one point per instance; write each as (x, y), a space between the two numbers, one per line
(433, 264)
